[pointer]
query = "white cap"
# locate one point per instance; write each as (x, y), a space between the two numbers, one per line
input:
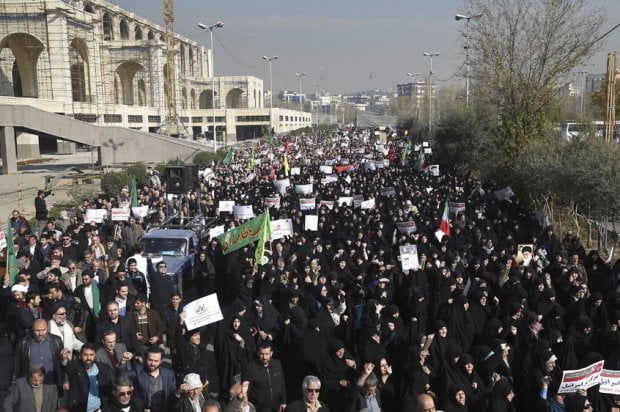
(193, 380)
(19, 288)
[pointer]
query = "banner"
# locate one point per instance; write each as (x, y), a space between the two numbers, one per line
(329, 179)
(406, 227)
(456, 207)
(584, 378)
(303, 189)
(272, 202)
(327, 203)
(243, 212)
(409, 257)
(379, 164)
(368, 204)
(388, 191)
(348, 201)
(281, 228)
(120, 214)
(610, 382)
(281, 185)
(226, 205)
(307, 204)
(312, 222)
(357, 200)
(140, 211)
(203, 311)
(243, 235)
(95, 215)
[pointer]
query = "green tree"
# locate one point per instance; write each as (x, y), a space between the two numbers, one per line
(599, 98)
(520, 51)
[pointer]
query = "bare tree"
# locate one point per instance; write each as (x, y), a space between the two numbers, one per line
(521, 52)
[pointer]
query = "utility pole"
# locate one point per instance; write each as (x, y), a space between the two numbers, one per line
(430, 91)
(467, 19)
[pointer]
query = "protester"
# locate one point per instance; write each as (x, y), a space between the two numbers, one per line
(31, 394)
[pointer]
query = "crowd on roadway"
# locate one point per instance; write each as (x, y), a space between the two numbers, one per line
(496, 308)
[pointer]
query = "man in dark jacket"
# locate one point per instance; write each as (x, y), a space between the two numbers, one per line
(122, 326)
(266, 379)
(89, 382)
(28, 392)
(46, 349)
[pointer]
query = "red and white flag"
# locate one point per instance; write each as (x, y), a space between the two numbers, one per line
(444, 226)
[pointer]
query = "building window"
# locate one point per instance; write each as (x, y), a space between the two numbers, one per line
(113, 118)
(107, 26)
(138, 33)
(134, 118)
(154, 119)
(124, 29)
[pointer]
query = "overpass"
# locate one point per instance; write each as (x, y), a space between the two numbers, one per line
(114, 144)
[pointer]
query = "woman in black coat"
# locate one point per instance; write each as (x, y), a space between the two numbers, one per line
(501, 397)
(338, 377)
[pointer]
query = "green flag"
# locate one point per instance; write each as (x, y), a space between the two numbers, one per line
(265, 235)
(251, 162)
(228, 156)
(245, 234)
(134, 193)
(11, 259)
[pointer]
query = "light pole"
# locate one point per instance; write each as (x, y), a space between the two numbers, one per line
(459, 17)
(413, 82)
(217, 25)
(430, 91)
(583, 89)
(301, 103)
(270, 59)
(316, 96)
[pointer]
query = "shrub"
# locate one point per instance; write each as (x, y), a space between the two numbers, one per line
(113, 182)
(138, 171)
(204, 159)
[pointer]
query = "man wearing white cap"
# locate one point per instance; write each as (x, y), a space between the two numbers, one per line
(188, 396)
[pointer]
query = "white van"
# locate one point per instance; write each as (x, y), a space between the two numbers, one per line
(571, 130)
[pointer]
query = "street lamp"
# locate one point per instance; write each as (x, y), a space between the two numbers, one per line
(270, 59)
(301, 103)
(413, 82)
(430, 91)
(583, 83)
(459, 17)
(203, 26)
(316, 97)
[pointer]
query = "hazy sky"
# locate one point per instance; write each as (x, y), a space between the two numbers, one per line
(360, 44)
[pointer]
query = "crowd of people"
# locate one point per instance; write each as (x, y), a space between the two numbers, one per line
(494, 309)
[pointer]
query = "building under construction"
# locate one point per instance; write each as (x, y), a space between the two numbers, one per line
(95, 62)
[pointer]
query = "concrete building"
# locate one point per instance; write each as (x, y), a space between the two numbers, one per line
(96, 62)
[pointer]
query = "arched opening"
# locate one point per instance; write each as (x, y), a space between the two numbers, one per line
(141, 92)
(151, 35)
(127, 77)
(88, 8)
(124, 29)
(206, 100)
(138, 31)
(107, 27)
(182, 59)
(183, 98)
(233, 99)
(22, 64)
(192, 99)
(161, 38)
(80, 71)
(255, 102)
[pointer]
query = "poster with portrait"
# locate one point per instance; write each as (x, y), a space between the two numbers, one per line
(525, 253)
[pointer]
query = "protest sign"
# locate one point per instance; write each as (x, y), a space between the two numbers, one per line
(281, 228)
(409, 257)
(428, 150)
(140, 211)
(357, 200)
(295, 171)
(433, 170)
(584, 378)
(312, 222)
(368, 204)
(388, 191)
(216, 231)
(307, 204)
(282, 184)
(226, 205)
(303, 189)
(272, 202)
(344, 200)
(456, 207)
(243, 212)
(203, 311)
(406, 227)
(120, 213)
(610, 382)
(328, 170)
(95, 215)
(2, 240)
(329, 179)
(327, 203)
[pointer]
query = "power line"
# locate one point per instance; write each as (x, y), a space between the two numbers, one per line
(247, 66)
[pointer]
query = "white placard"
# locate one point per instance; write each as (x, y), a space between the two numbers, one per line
(243, 212)
(303, 189)
(406, 227)
(312, 222)
(428, 150)
(433, 170)
(282, 184)
(409, 257)
(281, 228)
(203, 311)
(327, 203)
(120, 213)
(95, 215)
(2, 240)
(216, 231)
(425, 144)
(272, 202)
(328, 170)
(226, 205)
(456, 207)
(584, 378)
(610, 382)
(347, 200)
(368, 204)
(329, 179)
(307, 204)
(140, 211)
(295, 171)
